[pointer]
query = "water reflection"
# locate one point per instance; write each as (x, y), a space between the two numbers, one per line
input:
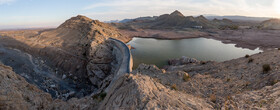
(153, 51)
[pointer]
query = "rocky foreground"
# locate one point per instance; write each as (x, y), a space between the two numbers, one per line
(79, 47)
(235, 84)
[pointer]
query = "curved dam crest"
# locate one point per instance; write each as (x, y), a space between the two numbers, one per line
(123, 55)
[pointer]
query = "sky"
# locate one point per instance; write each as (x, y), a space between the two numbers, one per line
(51, 13)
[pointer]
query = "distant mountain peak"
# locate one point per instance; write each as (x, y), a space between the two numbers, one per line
(201, 17)
(176, 13)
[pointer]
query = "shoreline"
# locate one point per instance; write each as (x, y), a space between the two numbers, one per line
(252, 39)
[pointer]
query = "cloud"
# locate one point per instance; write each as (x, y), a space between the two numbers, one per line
(117, 9)
(6, 1)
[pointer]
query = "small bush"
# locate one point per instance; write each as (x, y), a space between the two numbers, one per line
(247, 84)
(100, 96)
(213, 98)
(186, 77)
(229, 98)
(234, 27)
(250, 60)
(273, 82)
(203, 62)
(266, 68)
(247, 56)
(174, 87)
(228, 79)
(84, 54)
(103, 95)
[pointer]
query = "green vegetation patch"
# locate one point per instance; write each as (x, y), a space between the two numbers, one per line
(266, 68)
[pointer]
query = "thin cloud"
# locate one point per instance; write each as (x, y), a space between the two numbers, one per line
(136, 8)
(6, 1)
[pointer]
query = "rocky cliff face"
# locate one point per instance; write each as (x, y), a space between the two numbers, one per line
(145, 93)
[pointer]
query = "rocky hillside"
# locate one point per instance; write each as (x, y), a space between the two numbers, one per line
(17, 94)
(86, 39)
(237, 84)
(77, 51)
(175, 20)
(178, 20)
(270, 24)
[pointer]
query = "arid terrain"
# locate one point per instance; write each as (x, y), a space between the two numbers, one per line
(246, 35)
(77, 66)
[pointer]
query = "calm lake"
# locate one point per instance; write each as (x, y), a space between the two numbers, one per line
(154, 51)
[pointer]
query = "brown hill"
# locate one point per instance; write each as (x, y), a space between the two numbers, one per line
(76, 49)
(175, 20)
(79, 36)
(271, 24)
(178, 20)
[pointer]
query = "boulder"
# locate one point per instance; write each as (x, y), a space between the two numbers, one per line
(182, 61)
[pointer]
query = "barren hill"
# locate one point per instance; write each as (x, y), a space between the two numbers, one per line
(178, 20)
(75, 50)
(271, 24)
(175, 20)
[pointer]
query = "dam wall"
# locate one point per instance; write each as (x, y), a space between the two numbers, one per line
(124, 59)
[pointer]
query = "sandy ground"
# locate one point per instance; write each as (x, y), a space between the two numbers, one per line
(249, 38)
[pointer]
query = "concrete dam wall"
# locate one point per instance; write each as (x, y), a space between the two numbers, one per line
(124, 59)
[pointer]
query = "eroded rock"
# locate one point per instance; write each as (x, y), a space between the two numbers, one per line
(182, 61)
(140, 91)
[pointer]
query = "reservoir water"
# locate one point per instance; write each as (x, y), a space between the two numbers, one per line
(154, 51)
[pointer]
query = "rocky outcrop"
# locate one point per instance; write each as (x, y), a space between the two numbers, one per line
(265, 98)
(229, 80)
(142, 92)
(16, 93)
(85, 38)
(121, 64)
(182, 61)
(270, 24)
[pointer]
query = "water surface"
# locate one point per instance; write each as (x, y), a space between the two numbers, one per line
(154, 51)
